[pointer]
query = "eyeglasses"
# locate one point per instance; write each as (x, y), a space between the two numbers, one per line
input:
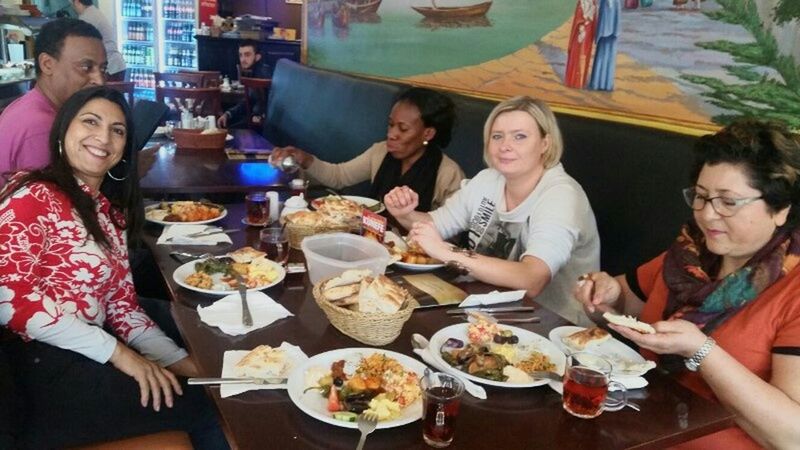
(724, 206)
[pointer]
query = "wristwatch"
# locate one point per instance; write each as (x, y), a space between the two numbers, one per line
(693, 362)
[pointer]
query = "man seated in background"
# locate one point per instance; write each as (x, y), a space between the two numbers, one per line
(250, 66)
(69, 56)
(87, 12)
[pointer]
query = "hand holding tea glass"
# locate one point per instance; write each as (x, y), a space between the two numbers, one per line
(586, 383)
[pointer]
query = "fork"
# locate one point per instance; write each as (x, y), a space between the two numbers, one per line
(247, 319)
(367, 422)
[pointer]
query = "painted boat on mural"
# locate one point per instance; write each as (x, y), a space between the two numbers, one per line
(363, 6)
(453, 12)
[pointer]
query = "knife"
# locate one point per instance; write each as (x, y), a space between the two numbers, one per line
(237, 380)
(531, 319)
(545, 375)
(210, 232)
(491, 310)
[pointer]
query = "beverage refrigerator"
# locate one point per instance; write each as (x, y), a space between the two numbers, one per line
(156, 36)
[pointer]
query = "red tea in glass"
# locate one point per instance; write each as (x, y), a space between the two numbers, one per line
(257, 208)
(441, 399)
(586, 386)
(438, 423)
(585, 390)
(275, 244)
(298, 186)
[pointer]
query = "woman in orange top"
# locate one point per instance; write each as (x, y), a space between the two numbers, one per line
(723, 299)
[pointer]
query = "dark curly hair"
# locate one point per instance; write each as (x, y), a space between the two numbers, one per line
(435, 109)
(769, 152)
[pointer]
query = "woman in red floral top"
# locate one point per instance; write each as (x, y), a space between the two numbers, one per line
(66, 289)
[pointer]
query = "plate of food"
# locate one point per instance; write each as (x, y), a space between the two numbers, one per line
(496, 355)
(409, 256)
(184, 212)
(347, 204)
(216, 275)
(336, 386)
(625, 361)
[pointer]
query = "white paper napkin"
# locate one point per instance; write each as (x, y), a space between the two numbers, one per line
(226, 313)
(492, 298)
(294, 358)
(178, 233)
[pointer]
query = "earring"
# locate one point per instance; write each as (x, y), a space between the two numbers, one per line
(110, 175)
(425, 143)
(60, 149)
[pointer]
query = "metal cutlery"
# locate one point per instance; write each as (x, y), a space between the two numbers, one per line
(204, 233)
(237, 380)
(504, 309)
(247, 319)
(367, 422)
(545, 375)
(532, 319)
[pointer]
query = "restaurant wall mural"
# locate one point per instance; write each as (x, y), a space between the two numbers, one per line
(691, 63)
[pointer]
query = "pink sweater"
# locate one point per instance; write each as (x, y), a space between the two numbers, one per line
(25, 132)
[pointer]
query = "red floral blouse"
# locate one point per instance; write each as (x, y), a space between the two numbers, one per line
(58, 286)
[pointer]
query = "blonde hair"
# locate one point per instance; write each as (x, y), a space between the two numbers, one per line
(544, 118)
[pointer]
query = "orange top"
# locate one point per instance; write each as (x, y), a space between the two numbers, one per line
(770, 322)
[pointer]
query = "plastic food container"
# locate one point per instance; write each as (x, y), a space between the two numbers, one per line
(328, 255)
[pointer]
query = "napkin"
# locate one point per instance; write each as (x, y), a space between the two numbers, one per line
(425, 353)
(492, 298)
(178, 234)
(294, 358)
(226, 313)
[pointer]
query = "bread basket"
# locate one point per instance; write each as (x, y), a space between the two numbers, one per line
(194, 139)
(369, 328)
(296, 232)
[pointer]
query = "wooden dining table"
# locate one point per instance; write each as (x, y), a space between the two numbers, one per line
(530, 418)
(203, 171)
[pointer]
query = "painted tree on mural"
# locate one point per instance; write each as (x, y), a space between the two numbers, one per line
(786, 11)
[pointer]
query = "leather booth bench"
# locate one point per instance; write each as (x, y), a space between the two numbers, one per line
(633, 175)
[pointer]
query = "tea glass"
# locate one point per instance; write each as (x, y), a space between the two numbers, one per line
(441, 399)
(257, 208)
(275, 243)
(586, 384)
(298, 186)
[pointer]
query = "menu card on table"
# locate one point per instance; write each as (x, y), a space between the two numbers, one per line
(430, 290)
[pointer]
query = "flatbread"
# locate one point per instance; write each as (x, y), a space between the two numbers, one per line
(586, 338)
(245, 255)
(630, 322)
(262, 362)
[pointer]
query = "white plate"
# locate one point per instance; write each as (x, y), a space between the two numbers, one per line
(391, 236)
(315, 405)
(612, 349)
(187, 269)
(163, 222)
(539, 343)
(363, 201)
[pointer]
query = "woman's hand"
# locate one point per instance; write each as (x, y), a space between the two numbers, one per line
(674, 337)
(185, 368)
(598, 291)
(302, 158)
(401, 201)
(154, 380)
(428, 238)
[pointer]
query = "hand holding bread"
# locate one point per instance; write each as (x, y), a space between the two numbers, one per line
(597, 290)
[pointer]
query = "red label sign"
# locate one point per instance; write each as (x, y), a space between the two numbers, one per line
(208, 8)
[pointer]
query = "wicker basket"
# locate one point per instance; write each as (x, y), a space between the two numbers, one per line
(297, 233)
(369, 328)
(193, 139)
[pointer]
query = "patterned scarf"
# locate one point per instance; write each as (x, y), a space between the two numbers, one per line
(421, 176)
(694, 294)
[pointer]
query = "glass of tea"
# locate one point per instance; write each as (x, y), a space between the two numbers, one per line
(257, 208)
(298, 186)
(441, 399)
(586, 384)
(275, 243)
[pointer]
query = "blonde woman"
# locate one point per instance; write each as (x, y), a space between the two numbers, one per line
(529, 224)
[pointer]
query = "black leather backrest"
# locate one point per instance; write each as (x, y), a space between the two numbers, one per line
(633, 177)
(333, 116)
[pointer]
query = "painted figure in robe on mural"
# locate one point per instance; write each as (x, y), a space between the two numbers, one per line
(581, 41)
(605, 55)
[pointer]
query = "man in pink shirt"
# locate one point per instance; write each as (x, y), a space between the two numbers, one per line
(69, 56)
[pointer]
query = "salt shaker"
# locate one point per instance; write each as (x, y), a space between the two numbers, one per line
(186, 118)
